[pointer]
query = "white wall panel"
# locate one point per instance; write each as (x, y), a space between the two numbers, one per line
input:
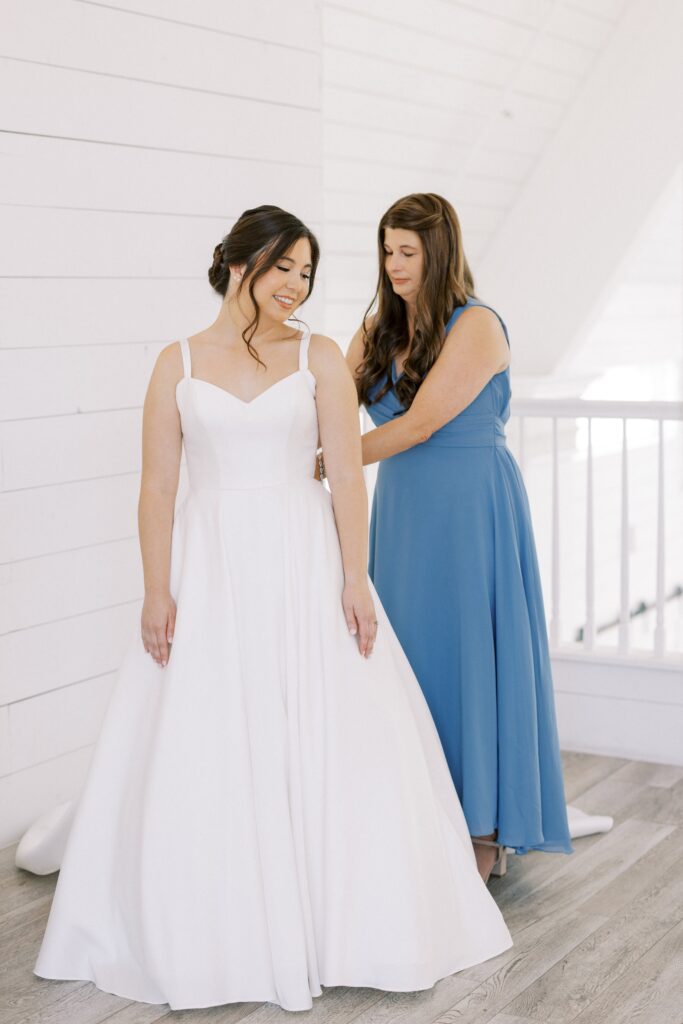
(68, 583)
(43, 520)
(59, 449)
(87, 106)
(52, 724)
(620, 709)
(132, 138)
(428, 85)
(56, 654)
(25, 795)
(111, 42)
(595, 185)
(259, 19)
(5, 767)
(86, 175)
(76, 243)
(66, 312)
(74, 378)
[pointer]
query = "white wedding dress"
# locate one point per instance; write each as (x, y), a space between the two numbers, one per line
(271, 812)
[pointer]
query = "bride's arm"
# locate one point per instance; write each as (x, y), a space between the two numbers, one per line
(474, 350)
(340, 437)
(161, 450)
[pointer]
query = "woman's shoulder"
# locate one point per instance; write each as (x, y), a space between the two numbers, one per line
(479, 313)
(324, 345)
(324, 351)
(169, 361)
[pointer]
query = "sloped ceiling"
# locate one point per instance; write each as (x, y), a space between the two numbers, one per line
(460, 98)
(551, 126)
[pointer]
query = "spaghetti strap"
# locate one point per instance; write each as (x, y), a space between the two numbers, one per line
(187, 361)
(303, 348)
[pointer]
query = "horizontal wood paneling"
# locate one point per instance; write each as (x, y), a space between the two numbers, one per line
(55, 381)
(25, 795)
(490, 61)
(457, 98)
(108, 42)
(69, 583)
(356, 175)
(388, 148)
(64, 448)
(72, 649)
(98, 108)
(75, 243)
(426, 84)
(530, 12)
(415, 120)
(131, 138)
(258, 19)
(86, 175)
(55, 723)
(4, 742)
(69, 515)
(39, 313)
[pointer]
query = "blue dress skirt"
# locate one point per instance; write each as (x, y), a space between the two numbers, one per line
(453, 559)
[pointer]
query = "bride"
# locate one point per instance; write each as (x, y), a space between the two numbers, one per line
(268, 809)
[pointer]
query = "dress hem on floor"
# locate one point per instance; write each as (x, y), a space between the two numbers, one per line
(417, 986)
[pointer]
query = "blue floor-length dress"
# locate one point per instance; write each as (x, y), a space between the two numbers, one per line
(453, 559)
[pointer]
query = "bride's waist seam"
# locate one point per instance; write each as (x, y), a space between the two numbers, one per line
(280, 486)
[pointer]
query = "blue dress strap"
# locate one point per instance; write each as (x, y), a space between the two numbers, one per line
(468, 305)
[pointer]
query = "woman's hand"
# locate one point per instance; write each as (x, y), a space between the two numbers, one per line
(359, 610)
(158, 624)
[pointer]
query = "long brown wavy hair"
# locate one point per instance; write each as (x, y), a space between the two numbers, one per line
(259, 238)
(447, 283)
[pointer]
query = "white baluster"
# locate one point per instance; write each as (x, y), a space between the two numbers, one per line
(660, 632)
(555, 565)
(624, 616)
(589, 630)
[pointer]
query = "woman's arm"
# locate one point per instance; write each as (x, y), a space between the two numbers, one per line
(161, 449)
(355, 351)
(337, 407)
(475, 350)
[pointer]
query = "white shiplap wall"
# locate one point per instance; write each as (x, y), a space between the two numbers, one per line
(459, 98)
(131, 137)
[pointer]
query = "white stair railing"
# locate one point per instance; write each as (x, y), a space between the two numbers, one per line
(572, 409)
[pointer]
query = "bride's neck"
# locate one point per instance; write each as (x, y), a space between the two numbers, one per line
(235, 315)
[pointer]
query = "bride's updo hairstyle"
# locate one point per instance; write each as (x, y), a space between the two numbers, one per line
(446, 284)
(258, 239)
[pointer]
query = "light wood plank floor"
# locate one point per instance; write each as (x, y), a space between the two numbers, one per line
(598, 934)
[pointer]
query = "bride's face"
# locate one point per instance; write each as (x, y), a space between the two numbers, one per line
(286, 284)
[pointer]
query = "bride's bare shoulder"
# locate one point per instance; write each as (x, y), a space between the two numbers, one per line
(168, 366)
(324, 353)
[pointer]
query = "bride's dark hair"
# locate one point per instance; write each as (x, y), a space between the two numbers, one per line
(258, 239)
(447, 283)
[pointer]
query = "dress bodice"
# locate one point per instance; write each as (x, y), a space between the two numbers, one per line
(231, 444)
(481, 423)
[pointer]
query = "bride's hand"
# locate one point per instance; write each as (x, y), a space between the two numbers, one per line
(157, 624)
(360, 615)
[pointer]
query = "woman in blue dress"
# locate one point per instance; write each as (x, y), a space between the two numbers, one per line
(452, 551)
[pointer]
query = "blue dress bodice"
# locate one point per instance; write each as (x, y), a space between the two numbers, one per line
(481, 423)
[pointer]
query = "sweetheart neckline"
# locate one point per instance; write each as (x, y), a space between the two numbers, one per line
(242, 401)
